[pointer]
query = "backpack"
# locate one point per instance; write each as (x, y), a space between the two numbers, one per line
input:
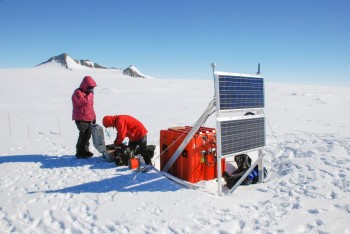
(243, 162)
(122, 155)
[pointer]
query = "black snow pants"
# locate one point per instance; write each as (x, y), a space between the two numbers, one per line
(142, 144)
(84, 128)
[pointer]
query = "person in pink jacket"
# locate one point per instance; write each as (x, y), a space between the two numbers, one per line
(84, 115)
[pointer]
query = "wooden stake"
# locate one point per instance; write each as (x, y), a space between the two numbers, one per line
(8, 114)
(59, 128)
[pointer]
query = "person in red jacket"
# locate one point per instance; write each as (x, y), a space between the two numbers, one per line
(128, 126)
(84, 115)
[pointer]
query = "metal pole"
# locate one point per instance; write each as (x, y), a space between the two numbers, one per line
(188, 138)
(218, 157)
(213, 65)
(218, 133)
(261, 167)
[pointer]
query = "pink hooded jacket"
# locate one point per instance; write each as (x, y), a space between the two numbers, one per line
(83, 101)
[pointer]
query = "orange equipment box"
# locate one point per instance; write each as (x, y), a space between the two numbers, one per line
(197, 161)
(134, 163)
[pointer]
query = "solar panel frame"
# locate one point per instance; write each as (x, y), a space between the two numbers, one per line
(242, 135)
(239, 91)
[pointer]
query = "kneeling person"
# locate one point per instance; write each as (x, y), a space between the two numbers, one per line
(128, 126)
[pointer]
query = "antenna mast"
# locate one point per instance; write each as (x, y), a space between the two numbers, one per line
(213, 65)
(258, 73)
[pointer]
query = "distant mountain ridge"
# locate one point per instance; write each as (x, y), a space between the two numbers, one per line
(64, 58)
(70, 63)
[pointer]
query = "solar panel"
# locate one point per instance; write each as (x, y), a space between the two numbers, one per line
(242, 135)
(238, 91)
(235, 95)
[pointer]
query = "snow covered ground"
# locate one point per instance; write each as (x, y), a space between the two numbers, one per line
(45, 189)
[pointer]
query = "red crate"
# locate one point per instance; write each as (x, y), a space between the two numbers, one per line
(197, 161)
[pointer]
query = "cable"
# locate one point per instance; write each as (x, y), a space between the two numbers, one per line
(151, 165)
(185, 132)
(273, 133)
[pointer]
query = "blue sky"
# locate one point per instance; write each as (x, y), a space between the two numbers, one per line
(295, 41)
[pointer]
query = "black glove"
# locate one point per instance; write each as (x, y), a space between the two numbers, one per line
(90, 89)
(94, 121)
(111, 147)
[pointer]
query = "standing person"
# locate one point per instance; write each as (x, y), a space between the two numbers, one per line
(128, 126)
(84, 115)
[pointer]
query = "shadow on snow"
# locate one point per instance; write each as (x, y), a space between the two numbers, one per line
(144, 182)
(124, 181)
(47, 161)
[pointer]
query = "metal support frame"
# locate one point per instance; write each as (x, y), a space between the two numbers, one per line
(258, 161)
(180, 181)
(196, 126)
(214, 105)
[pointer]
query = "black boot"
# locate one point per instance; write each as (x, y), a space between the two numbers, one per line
(148, 155)
(82, 153)
(87, 152)
(147, 160)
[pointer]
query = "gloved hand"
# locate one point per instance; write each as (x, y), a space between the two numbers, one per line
(111, 147)
(90, 89)
(94, 121)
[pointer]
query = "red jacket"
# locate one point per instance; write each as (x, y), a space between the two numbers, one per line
(127, 126)
(83, 101)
